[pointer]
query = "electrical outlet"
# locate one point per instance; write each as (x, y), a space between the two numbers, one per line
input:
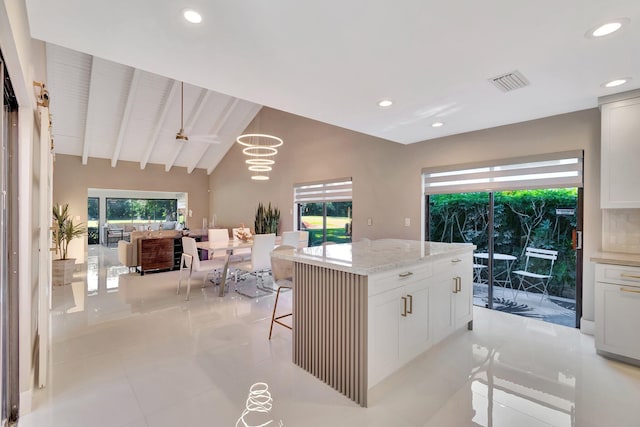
(369, 221)
(407, 222)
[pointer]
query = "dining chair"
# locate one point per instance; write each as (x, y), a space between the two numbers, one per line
(538, 270)
(241, 254)
(282, 272)
(218, 235)
(191, 260)
(290, 238)
(303, 239)
(260, 262)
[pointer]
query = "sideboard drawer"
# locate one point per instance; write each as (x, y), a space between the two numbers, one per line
(618, 274)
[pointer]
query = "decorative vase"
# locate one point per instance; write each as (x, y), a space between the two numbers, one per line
(62, 271)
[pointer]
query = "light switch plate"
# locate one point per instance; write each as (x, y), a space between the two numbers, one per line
(369, 221)
(407, 222)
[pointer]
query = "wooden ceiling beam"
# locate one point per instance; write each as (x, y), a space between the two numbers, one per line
(215, 130)
(172, 89)
(126, 115)
(86, 143)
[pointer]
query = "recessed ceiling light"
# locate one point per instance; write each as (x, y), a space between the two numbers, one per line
(606, 28)
(192, 16)
(385, 103)
(437, 124)
(616, 82)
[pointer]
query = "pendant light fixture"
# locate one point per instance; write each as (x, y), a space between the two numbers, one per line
(260, 148)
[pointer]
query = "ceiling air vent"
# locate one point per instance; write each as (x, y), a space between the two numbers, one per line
(510, 81)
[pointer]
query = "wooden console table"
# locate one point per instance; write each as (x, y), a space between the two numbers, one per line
(155, 254)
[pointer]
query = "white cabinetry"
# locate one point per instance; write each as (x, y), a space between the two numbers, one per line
(620, 157)
(618, 310)
(452, 302)
(412, 309)
(398, 319)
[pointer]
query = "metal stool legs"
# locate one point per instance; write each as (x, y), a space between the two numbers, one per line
(275, 319)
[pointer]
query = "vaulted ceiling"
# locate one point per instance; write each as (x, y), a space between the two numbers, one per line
(327, 60)
(111, 111)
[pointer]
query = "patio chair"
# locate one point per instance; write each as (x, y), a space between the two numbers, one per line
(538, 270)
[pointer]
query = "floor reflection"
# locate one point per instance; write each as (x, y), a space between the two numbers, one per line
(128, 351)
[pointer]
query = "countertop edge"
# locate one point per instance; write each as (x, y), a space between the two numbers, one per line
(616, 258)
(456, 249)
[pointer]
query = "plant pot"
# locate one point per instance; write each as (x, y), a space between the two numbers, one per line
(62, 273)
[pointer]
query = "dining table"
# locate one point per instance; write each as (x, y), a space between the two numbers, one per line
(227, 246)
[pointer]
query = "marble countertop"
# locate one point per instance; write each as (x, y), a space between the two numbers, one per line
(616, 258)
(373, 256)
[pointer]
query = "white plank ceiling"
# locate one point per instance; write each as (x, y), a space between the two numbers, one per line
(106, 110)
(332, 61)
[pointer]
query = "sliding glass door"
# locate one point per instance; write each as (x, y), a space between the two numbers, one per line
(9, 288)
(524, 216)
(527, 264)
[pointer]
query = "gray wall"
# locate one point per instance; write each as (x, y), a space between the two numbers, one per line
(386, 176)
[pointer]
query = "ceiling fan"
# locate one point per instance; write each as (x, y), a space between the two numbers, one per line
(182, 136)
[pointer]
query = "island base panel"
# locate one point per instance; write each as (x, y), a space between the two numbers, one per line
(330, 328)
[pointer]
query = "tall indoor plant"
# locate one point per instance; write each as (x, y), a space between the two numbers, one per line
(64, 231)
(267, 219)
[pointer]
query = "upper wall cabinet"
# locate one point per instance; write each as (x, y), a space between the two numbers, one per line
(620, 167)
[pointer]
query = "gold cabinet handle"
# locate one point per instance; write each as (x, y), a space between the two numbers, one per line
(459, 284)
(629, 276)
(456, 260)
(631, 291)
(404, 307)
(455, 285)
(410, 311)
(405, 274)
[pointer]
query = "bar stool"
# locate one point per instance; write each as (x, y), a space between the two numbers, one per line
(282, 271)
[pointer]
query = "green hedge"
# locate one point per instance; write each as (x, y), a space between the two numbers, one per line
(521, 219)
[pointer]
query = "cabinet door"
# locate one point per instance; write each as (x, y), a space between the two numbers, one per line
(463, 299)
(414, 325)
(441, 307)
(384, 325)
(620, 153)
(618, 319)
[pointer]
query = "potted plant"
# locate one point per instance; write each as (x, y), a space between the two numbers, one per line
(64, 231)
(267, 219)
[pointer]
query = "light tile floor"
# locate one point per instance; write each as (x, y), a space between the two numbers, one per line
(128, 352)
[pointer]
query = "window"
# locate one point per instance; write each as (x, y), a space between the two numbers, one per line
(141, 210)
(324, 209)
(93, 220)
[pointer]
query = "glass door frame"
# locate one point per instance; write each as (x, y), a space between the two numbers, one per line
(9, 249)
(577, 245)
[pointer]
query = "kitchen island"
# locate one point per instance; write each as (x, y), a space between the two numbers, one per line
(363, 310)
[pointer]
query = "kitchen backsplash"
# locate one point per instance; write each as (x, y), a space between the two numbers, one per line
(621, 230)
